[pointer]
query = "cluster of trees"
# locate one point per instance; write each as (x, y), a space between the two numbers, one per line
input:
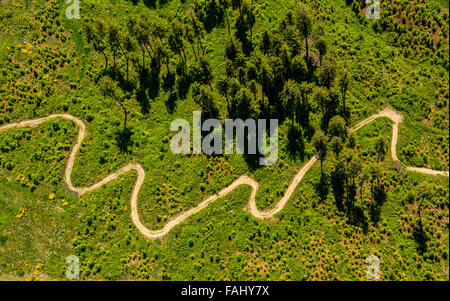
(349, 173)
(148, 53)
(283, 73)
(147, 37)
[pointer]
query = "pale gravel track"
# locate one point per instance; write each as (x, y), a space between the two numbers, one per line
(242, 180)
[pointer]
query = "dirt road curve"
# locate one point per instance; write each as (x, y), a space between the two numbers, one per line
(242, 180)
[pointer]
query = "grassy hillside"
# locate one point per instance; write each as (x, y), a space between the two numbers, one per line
(49, 64)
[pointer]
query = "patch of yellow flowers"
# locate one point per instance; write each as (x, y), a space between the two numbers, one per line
(52, 196)
(49, 78)
(36, 273)
(22, 212)
(26, 48)
(23, 180)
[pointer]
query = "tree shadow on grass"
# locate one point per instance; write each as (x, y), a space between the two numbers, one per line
(182, 85)
(296, 143)
(337, 183)
(124, 139)
(321, 187)
(168, 80)
(356, 217)
(120, 77)
(149, 3)
(379, 196)
(149, 83)
(252, 161)
(153, 83)
(171, 101)
(143, 100)
(213, 19)
(421, 237)
(355, 213)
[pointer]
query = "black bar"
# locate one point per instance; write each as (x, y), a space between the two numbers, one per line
(201, 290)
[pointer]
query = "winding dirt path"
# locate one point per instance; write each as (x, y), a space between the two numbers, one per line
(397, 119)
(242, 180)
